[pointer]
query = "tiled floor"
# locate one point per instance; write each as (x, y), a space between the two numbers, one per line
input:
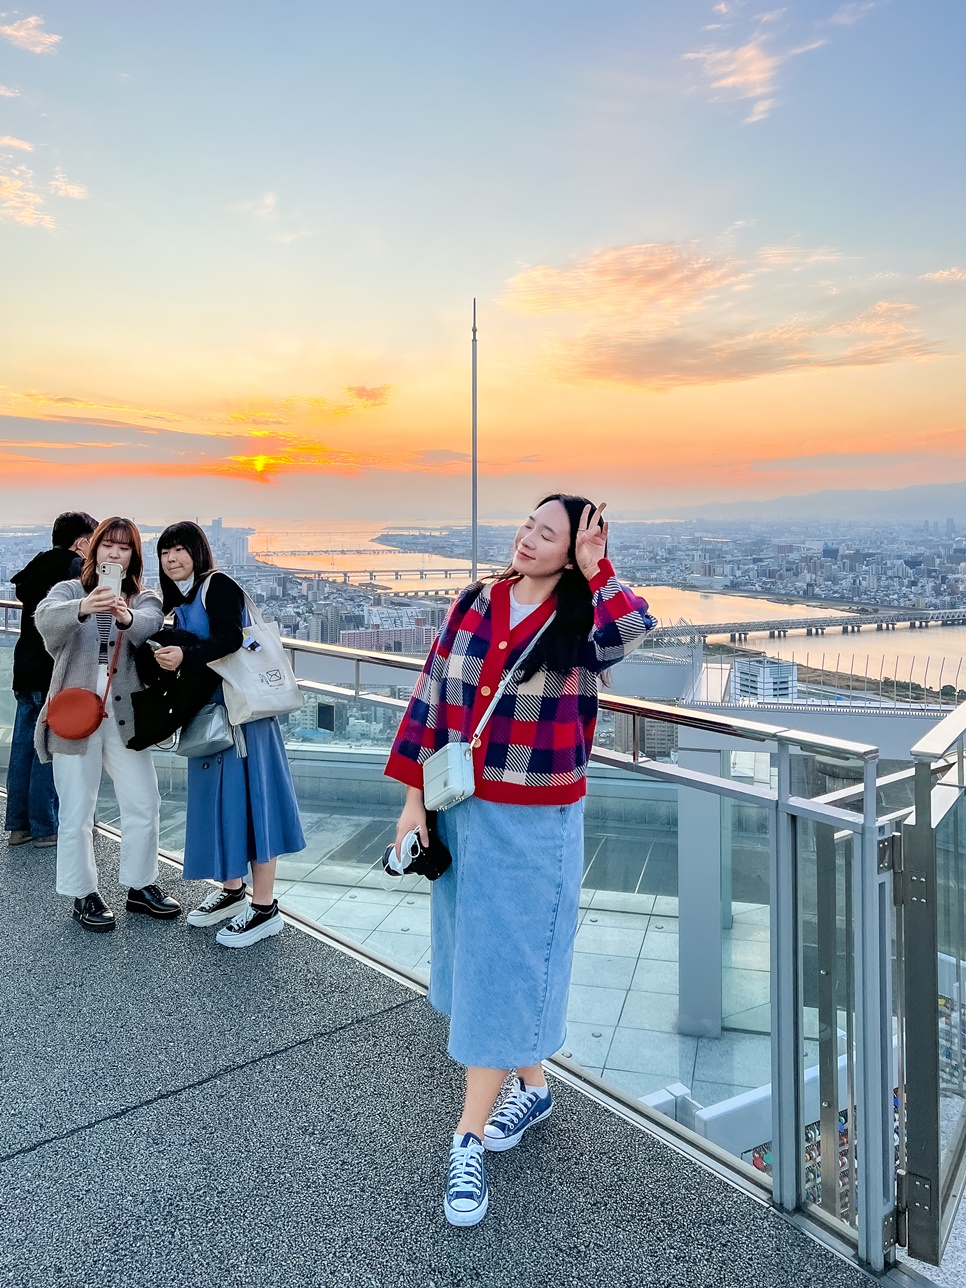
(623, 1003)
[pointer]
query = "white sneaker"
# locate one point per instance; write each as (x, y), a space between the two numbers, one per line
(250, 926)
(216, 906)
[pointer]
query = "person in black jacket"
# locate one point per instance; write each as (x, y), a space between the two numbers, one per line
(31, 796)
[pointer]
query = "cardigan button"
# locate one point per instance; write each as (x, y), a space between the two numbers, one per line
(486, 690)
(503, 644)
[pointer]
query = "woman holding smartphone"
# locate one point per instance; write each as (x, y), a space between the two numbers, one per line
(91, 627)
(504, 914)
(242, 811)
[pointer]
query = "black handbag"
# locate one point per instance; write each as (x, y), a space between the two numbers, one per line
(429, 861)
(169, 700)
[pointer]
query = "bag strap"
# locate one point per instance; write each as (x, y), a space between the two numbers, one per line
(502, 687)
(254, 613)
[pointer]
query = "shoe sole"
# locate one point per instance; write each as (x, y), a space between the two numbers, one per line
(45, 845)
(158, 916)
(465, 1219)
(251, 936)
(97, 930)
(497, 1144)
(194, 918)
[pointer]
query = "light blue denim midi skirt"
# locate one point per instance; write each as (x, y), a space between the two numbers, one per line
(504, 917)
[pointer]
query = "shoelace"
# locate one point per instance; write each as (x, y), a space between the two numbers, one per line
(242, 920)
(466, 1172)
(514, 1107)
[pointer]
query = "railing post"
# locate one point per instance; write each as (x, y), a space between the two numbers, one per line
(786, 1042)
(874, 1077)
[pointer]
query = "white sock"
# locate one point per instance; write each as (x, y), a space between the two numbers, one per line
(540, 1089)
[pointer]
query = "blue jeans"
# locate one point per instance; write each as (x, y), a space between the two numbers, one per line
(31, 795)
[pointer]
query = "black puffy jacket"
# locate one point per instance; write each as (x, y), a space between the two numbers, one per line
(32, 664)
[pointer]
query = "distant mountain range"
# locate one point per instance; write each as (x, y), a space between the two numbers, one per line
(902, 504)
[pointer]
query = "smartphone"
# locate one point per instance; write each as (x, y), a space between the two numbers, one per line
(154, 646)
(110, 574)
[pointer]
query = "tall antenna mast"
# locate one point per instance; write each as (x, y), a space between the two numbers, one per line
(474, 468)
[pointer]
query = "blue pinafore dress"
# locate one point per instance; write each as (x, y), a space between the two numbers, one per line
(241, 810)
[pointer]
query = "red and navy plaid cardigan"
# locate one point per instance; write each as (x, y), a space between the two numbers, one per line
(535, 746)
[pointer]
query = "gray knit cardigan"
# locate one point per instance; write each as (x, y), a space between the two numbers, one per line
(75, 645)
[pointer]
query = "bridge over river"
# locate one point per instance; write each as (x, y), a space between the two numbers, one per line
(912, 618)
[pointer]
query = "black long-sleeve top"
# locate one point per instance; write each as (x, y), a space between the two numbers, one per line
(225, 603)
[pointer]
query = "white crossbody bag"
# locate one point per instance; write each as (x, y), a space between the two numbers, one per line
(448, 776)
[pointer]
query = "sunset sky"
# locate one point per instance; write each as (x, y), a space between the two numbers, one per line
(718, 252)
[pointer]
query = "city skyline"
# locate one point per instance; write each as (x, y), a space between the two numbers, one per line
(717, 253)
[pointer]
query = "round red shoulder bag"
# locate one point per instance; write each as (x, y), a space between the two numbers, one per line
(73, 714)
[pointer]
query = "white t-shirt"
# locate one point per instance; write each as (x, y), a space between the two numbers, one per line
(519, 611)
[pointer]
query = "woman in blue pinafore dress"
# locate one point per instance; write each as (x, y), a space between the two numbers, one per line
(242, 811)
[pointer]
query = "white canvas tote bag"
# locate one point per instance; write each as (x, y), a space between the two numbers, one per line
(258, 679)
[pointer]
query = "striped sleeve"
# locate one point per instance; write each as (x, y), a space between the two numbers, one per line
(621, 620)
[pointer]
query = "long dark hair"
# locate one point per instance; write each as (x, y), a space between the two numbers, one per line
(120, 530)
(192, 539)
(559, 647)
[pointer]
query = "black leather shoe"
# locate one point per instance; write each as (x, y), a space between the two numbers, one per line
(93, 913)
(152, 900)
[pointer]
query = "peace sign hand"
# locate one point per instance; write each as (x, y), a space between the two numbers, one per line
(591, 543)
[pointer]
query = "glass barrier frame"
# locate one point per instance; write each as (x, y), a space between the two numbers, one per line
(930, 1186)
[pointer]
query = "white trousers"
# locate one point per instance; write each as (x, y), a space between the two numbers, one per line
(77, 779)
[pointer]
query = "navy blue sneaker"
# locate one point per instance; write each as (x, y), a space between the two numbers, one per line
(467, 1197)
(518, 1110)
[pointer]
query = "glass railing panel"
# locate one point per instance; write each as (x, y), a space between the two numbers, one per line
(622, 1023)
(951, 906)
(8, 704)
(828, 1124)
(337, 747)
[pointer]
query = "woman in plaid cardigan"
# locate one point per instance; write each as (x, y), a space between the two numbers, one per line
(504, 915)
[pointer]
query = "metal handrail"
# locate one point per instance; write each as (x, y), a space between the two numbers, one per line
(727, 726)
(943, 737)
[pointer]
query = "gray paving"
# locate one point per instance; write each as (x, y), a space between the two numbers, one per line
(174, 1113)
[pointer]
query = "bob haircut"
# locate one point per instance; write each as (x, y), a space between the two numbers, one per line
(193, 541)
(560, 646)
(115, 529)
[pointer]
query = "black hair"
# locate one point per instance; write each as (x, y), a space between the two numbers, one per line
(192, 539)
(559, 647)
(69, 526)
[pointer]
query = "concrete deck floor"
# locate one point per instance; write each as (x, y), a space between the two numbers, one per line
(177, 1113)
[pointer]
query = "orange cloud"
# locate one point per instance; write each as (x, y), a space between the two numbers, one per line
(20, 145)
(307, 411)
(879, 335)
(945, 275)
(62, 187)
(28, 34)
(20, 202)
(749, 70)
(372, 396)
(44, 402)
(672, 276)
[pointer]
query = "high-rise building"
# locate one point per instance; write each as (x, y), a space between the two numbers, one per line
(239, 548)
(764, 679)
